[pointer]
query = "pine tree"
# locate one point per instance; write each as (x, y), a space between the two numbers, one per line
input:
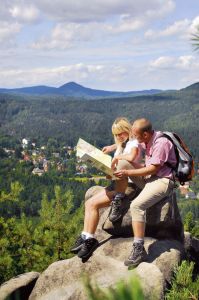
(189, 222)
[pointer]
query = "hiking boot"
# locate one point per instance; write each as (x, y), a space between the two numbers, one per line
(136, 256)
(116, 208)
(77, 245)
(88, 247)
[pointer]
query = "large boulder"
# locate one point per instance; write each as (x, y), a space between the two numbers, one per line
(64, 279)
(19, 287)
(162, 219)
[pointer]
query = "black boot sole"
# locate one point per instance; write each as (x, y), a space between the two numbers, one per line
(89, 253)
(76, 250)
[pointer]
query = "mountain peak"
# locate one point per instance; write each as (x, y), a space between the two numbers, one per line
(71, 85)
(73, 89)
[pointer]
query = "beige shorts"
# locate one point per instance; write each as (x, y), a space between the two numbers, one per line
(153, 188)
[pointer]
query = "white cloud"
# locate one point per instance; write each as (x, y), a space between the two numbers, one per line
(185, 63)
(162, 62)
(160, 9)
(4, 11)
(8, 32)
(95, 10)
(53, 76)
(79, 20)
(23, 13)
(194, 27)
(177, 28)
(180, 29)
(126, 25)
(165, 73)
(107, 36)
(59, 75)
(79, 11)
(64, 35)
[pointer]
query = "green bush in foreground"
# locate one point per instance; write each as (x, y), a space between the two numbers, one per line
(123, 291)
(183, 286)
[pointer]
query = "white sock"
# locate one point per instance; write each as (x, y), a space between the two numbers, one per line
(86, 235)
(138, 240)
(119, 194)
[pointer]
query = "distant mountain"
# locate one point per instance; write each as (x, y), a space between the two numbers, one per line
(34, 90)
(66, 118)
(76, 90)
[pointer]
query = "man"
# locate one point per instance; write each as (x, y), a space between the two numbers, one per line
(155, 179)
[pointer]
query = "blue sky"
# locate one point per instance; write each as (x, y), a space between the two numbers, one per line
(105, 44)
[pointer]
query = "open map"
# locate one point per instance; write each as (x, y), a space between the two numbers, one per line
(96, 157)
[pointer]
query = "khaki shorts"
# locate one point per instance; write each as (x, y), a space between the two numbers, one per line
(153, 189)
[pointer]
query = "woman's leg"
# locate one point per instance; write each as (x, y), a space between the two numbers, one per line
(92, 206)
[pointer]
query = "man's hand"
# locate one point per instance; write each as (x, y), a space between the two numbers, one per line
(121, 173)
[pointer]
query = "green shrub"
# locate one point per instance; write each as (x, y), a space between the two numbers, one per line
(183, 286)
(123, 291)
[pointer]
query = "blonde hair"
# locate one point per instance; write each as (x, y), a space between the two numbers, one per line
(121, 125)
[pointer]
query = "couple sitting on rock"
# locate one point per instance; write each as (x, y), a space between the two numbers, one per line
(154, 178)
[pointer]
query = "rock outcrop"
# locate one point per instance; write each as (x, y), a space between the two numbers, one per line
(19, 287)
(63, 280)
(162, 219)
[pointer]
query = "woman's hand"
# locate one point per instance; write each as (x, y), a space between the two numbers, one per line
(107, 149)
(114, 163)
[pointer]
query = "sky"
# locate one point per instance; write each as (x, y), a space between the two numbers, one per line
(115, 45)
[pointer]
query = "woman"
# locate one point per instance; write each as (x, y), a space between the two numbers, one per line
(126, 151)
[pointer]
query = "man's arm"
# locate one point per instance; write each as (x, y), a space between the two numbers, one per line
(149, 170)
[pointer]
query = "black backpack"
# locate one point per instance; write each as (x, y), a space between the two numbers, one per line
(184, 169)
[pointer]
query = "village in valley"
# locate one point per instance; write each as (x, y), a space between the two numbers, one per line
(44, 159)
(62, 159)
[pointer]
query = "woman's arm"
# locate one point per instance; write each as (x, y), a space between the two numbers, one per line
(129, 157)
(108, 149)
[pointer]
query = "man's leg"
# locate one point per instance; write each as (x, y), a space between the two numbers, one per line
(154, 190)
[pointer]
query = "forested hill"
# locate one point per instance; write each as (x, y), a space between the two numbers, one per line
(72, 89)
(66, 119)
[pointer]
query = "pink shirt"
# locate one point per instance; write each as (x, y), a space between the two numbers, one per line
(158, 151)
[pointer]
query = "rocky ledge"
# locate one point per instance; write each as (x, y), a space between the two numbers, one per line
(166, 245)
